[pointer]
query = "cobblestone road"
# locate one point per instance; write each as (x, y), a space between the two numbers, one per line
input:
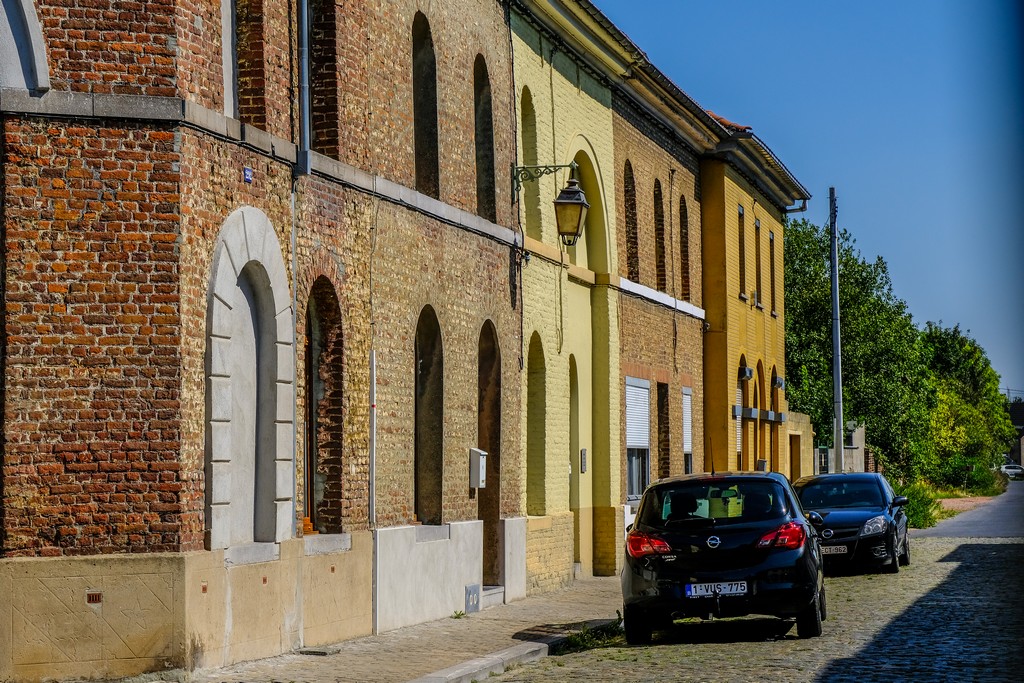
(955, 614)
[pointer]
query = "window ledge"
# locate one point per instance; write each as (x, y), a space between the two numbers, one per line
(426, 533)
(251, 553)
(323, 544)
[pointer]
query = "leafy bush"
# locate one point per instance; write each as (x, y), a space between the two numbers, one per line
(923, 507)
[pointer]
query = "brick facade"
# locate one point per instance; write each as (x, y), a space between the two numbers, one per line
(160, 173)
(657, 343)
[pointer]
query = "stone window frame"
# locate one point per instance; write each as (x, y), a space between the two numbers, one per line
(247, 237)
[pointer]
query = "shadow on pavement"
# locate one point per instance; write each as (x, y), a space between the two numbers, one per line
(969, 627)
(543, 633)
(738, 630)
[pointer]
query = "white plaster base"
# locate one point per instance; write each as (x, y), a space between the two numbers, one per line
(425, 579)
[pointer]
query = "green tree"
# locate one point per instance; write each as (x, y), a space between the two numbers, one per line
(885, 381)
(970, 426)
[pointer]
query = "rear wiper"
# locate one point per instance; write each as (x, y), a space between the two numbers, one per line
(705, 521)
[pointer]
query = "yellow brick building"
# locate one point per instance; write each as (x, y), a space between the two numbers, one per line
(747, 193)
(570, 317)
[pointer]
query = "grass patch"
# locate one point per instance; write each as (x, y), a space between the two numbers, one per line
(592, 638)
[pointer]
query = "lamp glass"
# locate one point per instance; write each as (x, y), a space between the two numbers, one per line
(570, 212)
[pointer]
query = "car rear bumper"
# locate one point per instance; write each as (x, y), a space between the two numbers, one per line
(774, 592)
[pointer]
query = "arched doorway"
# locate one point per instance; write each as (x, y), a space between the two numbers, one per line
(249, 468)
(323, 482)
(429, 410)
(489, 440)
(575, 463)
(536, 423)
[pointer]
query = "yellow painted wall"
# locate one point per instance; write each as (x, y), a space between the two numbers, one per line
(572, 317)
(739, 328)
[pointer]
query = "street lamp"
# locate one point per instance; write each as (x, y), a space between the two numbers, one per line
(570, 204)
(570, 212)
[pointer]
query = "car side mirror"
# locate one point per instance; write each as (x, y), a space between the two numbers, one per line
(815, 519)
(629, 527)
(900, 501)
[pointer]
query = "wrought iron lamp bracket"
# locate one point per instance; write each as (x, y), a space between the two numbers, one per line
(520, 174)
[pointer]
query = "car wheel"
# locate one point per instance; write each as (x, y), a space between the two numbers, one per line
(894, 564)
(821, 604)
(637, 627)
(905, 555)
(808, 622)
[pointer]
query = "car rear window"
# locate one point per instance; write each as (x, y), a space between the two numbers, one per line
(840, 493)
(724, 501)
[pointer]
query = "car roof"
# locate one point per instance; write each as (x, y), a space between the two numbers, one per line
(861, 476)
(718, 476)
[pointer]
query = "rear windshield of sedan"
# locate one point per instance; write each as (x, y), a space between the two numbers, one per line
(840, 493)
(723, 502)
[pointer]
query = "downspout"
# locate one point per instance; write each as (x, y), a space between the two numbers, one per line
(302, 164)
(302, 167)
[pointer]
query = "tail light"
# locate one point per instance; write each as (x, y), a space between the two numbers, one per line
(789, 536)
(639, 544)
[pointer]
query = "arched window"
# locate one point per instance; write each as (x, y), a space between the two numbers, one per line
(536, 436)
(632, 240)
(591, 251)
(759, 298)
(250, 61)
(429, 411)
(323, 78)
(229, 55)
(684, 248)
(424, 107)
(324, 471)
(484, 139)
(741, 238)
(23, 62)
(659, 239)
(530, 192)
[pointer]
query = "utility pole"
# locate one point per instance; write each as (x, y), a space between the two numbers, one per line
(837, 364)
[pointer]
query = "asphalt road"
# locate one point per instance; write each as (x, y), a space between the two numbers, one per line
(955, 614)
(1003, 517)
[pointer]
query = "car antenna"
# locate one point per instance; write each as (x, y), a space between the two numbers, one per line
(711, 442)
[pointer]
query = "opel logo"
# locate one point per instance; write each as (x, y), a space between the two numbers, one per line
(714, 541)
(827, 533)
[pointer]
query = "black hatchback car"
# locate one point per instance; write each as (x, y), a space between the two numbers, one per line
(865, 524)
(721, 545)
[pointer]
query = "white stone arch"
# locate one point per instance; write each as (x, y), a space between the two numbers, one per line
(22, 51)
(250, 376)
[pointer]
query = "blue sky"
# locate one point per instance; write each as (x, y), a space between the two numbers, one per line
(912, 110)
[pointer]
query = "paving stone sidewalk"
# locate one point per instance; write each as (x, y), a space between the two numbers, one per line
(455, 649)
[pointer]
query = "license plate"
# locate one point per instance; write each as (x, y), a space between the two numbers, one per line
(707, 590)
(833, 550)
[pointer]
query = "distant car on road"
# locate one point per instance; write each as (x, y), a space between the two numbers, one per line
(865, 523)
(722, 545)
(1013, 471)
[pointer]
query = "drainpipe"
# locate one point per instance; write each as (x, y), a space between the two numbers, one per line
(302, 163)
(373, 440)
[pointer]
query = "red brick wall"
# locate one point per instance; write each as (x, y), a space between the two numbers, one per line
(92, 369)
(656, 343)
(654, 156)
(110, 46)
(110, 230)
